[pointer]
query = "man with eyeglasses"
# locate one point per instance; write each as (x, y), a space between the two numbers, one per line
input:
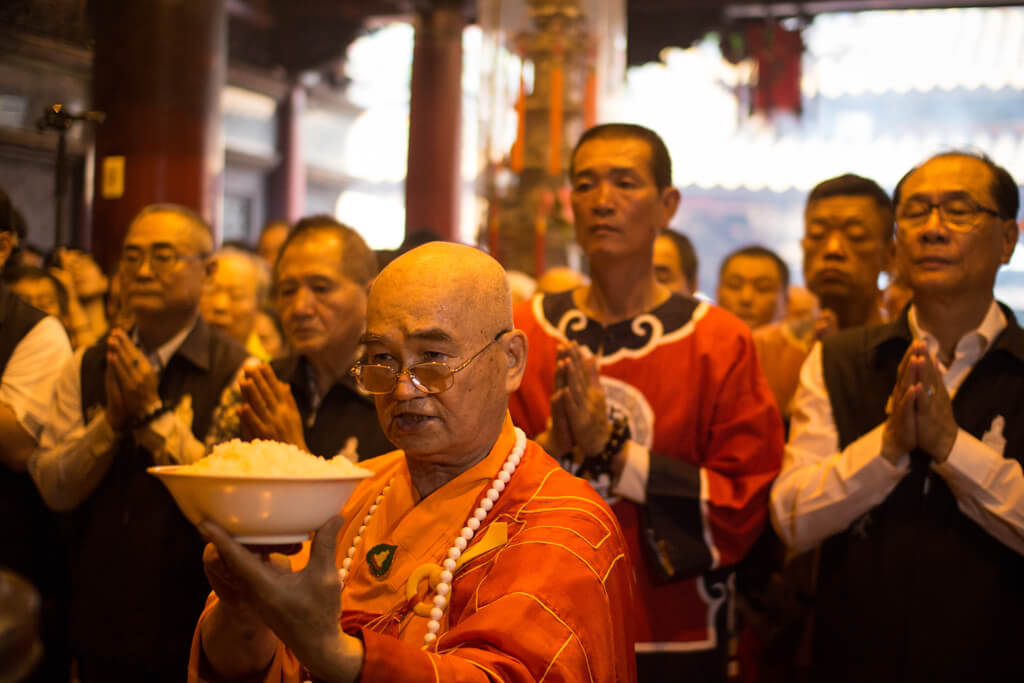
(135, 399)
(659, 400)
(904, 460)
(308, 398)
(470, 555)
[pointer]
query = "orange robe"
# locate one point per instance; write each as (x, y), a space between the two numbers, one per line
(545, 594)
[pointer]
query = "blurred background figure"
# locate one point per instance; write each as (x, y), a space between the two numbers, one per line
(86, 286)
(268, 329)
(800, 303)
(29, 255)
(234, 291)
(36, 287)
(523, 286)
(675, 262)
(21, 649)
(752, 285)
(271, 239)
(560, 279)
(117, 312)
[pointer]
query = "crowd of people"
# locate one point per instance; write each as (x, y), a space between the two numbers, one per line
(599, 477)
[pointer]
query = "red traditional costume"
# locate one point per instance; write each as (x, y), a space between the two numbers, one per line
(686, 377)
(543, 592)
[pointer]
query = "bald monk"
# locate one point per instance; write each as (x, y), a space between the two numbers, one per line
(540, 588)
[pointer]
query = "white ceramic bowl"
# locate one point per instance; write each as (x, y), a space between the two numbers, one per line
(258, 510)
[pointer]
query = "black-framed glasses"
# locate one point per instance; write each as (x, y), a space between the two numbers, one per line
(163, 259)
(957, 211)
(429, 377)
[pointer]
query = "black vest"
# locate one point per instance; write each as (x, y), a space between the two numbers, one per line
(914, 590)
(138, 584)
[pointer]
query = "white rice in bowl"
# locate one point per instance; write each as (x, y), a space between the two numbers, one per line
(259, 458)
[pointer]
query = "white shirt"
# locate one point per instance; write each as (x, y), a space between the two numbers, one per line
(28, 378)
(821, 490)
(73, 456)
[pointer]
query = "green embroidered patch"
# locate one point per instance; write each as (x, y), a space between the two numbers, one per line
(379, 558)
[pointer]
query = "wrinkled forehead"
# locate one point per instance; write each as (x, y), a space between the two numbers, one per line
(164, 228)
(947, 174)
(400, 309)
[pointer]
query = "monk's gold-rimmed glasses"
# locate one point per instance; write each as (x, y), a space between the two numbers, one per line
(429, 377)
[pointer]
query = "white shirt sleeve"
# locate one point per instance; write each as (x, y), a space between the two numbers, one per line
(632, 482)
(989, 488)
(28, 380)
(72, 457)
(821, 490)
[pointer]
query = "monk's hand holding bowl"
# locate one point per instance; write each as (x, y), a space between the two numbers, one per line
(303, 609)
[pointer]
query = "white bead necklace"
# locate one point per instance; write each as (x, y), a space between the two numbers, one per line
(461, 541)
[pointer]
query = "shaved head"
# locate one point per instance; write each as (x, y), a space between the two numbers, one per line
(453, 278)
(448, 304)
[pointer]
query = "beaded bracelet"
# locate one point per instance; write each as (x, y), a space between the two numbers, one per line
(595, 465)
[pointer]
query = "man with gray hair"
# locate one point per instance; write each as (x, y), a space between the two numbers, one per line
(308, 398)
(132, 400)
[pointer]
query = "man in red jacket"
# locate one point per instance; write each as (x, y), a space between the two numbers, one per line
(659, 400)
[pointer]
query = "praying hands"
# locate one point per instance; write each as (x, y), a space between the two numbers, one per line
(268, 409)
(921, 412)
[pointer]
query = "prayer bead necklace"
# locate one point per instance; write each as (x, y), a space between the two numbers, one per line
(461, 541)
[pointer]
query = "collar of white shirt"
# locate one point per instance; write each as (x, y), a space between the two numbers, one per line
(969, 350)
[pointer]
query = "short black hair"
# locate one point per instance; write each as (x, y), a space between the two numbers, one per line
(661, 162)
(1003, 188)
(758, 251)
(16, 272)
(852, 185)
(359, 263)
(687, 255)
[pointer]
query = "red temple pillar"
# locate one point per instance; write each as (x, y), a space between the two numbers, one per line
(435, 122)
(159, 69)
(288, 182)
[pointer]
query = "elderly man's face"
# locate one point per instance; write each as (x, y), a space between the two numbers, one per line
(161, 265)
(843, 244)
(405, 327)
(320, 308)
(230, 298)
(938, 260)
(617, 207)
